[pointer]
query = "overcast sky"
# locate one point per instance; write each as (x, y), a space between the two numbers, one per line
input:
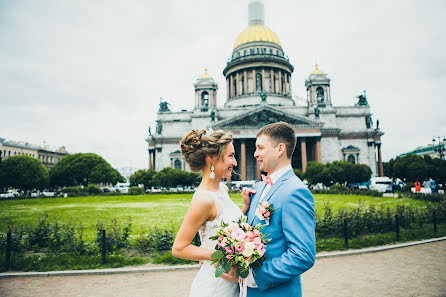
(88, 75)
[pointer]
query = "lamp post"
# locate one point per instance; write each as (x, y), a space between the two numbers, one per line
(440, 148)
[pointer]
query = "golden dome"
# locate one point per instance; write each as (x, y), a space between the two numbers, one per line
(316, 70)
(205, 74)
(257, 32)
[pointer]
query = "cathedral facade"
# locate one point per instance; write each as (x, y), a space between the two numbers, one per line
(259, 92)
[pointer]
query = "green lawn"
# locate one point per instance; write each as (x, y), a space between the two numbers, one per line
(163, 210)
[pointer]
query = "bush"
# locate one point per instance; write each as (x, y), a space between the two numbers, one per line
(167, 258)
(339, 188)
(136, 191)
(116, 236)
(93, 189)
(155, 240)
(73, 191)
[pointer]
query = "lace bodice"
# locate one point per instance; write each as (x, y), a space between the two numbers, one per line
(227, 211)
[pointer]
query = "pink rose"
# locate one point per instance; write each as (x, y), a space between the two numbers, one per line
(228, 257)
(262, 210)
(249, 234)
(239, 247)
(265, 204)
(229, 250)
(256, 232)
(223, 242)
(267, 214)
(261, 249)
(227, 233)
(220, 238)
(257, 240)
(238, 234)
(247, 239)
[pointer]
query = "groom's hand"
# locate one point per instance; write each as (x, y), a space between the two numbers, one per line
(230, 276)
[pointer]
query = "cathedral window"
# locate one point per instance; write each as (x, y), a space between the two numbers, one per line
(242, 81)
(252, 51)
(320, 95)
(271, 51)
(258, 82)
(205, 99)
(177, 164)
(244, 52)
(235, 87)
(351, 159)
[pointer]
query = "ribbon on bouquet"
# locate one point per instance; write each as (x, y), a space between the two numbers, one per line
(243, 287)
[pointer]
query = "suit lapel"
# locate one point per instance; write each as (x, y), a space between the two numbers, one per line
(255, 201)
(277, 185)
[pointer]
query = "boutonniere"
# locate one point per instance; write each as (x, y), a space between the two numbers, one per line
(265, 211)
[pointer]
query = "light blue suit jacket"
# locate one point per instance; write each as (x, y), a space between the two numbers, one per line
(292, 248)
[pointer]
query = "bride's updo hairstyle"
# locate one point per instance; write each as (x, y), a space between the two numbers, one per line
(196, 145)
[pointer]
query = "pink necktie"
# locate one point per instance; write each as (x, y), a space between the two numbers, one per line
(267, 180)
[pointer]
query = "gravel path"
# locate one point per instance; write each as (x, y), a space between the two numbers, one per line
(411, 271)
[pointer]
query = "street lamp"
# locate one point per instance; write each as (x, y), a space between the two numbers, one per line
(440, 148)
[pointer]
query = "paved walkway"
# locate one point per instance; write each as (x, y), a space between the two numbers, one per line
(411, 271)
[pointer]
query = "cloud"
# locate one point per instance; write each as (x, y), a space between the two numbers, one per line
(89, 74)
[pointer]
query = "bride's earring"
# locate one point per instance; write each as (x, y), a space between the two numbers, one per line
(212, 174)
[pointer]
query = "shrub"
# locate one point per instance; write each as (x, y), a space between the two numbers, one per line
(155, 240)
(136, 191)
(93, 189)
(116, 235)
(73, 191)
(167, 258)
(339, 188)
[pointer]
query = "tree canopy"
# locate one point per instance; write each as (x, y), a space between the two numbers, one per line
(337, 172)
(412, 167)
(83, 168)
(24, 173)
(168, 177)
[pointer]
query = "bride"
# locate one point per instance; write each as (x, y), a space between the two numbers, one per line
(213, 154)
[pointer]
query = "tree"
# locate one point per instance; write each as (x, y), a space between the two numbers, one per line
(143, 177)
(172, 177)
(24, 173)
(316, 173)
(82, 168)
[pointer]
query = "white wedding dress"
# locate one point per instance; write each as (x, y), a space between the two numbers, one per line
(205, 283)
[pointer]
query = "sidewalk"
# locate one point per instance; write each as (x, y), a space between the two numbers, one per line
(417, 270)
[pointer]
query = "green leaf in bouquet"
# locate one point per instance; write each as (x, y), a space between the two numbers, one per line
(237, 273)
(226, 267)
(244, 273)
(217, 255)
(253, 259)
(218, 271)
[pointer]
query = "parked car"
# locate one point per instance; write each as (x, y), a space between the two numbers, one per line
(122, 187)
(381, 184)
(10, 194)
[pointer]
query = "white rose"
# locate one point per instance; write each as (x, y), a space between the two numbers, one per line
(249, 249)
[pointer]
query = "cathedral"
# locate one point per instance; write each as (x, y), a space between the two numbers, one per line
(259, 92)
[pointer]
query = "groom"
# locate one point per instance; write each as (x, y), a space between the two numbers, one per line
(291, 228)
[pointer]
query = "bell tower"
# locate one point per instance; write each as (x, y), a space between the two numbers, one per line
(205, 92)
(318, 88)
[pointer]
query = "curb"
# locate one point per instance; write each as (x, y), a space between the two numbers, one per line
(197, 266)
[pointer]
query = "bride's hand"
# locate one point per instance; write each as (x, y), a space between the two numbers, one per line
(230, 276)
(247, 194)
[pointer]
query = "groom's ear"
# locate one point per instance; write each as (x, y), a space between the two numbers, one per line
(281, 147)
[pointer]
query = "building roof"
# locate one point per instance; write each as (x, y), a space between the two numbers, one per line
(257, 32)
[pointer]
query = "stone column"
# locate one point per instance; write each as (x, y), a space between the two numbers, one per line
(380, 161)
(245, 75)
(232, 85)
(237, 82)
(215, 98)
(254, 88)
(228, 88)
(272, 81)
(280, 82)
(263, 80)
(150, 160)
(290, 91)
(318, 150)
(243, 158)
(303, 149)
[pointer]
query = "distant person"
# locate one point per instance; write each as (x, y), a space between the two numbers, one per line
(433, 185)
(417, 187)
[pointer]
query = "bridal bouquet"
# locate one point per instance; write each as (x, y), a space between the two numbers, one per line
(240, 245)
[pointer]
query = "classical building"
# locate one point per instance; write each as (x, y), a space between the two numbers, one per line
(259, 92)
(49, 158)
(434, 150)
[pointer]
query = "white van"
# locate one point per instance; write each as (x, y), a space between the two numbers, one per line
(122, 187)
(381, 184)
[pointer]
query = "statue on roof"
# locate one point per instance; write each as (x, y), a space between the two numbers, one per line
(362, 99)
(369, 122)
(213, 115)
(164, 106)
(317, 111)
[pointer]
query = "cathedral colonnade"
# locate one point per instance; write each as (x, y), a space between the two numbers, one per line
(264, 79)
(307, 149)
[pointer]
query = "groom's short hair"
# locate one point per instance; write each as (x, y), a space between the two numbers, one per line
(280, 132)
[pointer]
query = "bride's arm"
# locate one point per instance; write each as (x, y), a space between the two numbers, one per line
(200, 210)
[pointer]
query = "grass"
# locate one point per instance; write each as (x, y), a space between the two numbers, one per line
(160, 210)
